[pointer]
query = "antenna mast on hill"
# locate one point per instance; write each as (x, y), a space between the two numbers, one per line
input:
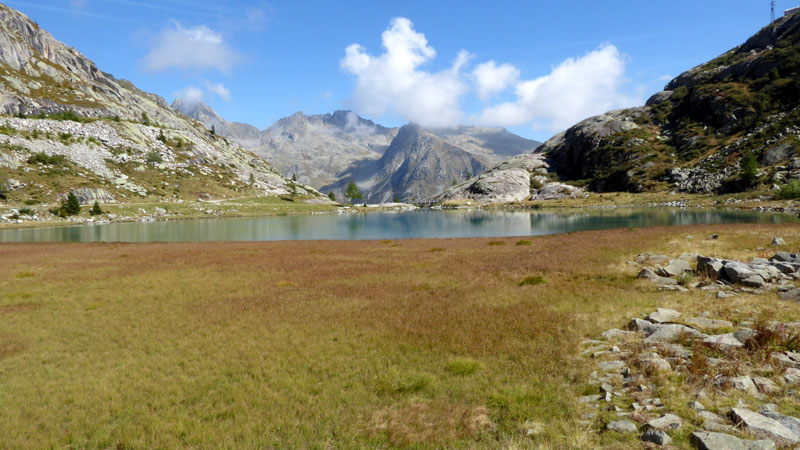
(772, 10)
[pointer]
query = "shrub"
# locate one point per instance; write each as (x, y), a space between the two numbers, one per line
(70, 206)
(154, 158)
(26, 211)
(332, 196)
(524, 242)
(790, 190)
(145, 119)
(748, 172)
(47, 160)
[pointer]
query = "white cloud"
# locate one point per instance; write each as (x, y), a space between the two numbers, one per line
(197, 48)
(219, 89)
(393, 82)
(574, 90)
(491, 79)
(190, 96)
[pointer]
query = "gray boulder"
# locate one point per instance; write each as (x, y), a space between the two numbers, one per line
(710, 267)
(666, 422)
(622, 426)
(724, 341)
(778, 242)
(764, 427)
(657, 437)
(664, 315)
(744, 383)
(675, 268)
(720, 441)
(648, 274)
(87, 196)
(671, 332)
(792, 423)
(792, 295)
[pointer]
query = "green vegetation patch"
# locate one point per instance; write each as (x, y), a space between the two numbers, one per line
(532, 281)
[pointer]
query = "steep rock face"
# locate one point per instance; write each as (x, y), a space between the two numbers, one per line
(75, 126)
(330, 150)
(694, 135)
(416, 166)
(524, 177)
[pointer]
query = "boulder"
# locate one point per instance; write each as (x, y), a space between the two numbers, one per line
(648, 274)
(792, 423)
(666, 422)
(664, 315)
(778, 242)
(702, 322)
(723, 341)
(675, 268)
(792, 376)
(791, 295)
(671, 332)
(654, 364)
(622, 426)
(764, 427)
(657, 437)
(88, 196)
(710, 267)
(744, 383)
(766, 386)
(642, 325)
(721, 441)
(737, 272)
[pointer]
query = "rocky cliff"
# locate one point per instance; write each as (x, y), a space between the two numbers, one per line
(330, 150)
(728, 125)
(65, 124)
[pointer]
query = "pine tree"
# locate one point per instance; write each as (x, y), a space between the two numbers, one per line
(72, 207)
(353, 193)
(96, 211)
(332, 196)
(213, 130)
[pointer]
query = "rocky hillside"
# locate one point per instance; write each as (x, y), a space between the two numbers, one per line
(725, 126)
(330, 150)
(67, 125)
(524, 177)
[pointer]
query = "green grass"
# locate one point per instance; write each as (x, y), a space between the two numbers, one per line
(532, 281)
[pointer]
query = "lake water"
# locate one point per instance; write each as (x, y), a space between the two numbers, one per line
(389, 225)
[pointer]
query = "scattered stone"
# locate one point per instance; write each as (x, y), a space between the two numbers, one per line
(792, 376)
(792, 423)
(792, 295)
(642, 325)
(745, 334)
(664, 315)
(697, 406)
(648, 274)
(615, 334)
(654, 364)
(764, 427)
(744, 383)
(720, 441)
(622, 426)
(666, 422)
(778, 242)
(652, 259)
(657, 437)
(784, 359)
(675, 268)
(671, 332)
(611, 366)
(589, 398)
(713, 237)
(723, 294)
(161, 212)
(765, 385)
(702, 322)
(724, 341)
(767, 408)
(710, 416)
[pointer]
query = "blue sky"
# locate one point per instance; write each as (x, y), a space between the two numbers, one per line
(532, 66)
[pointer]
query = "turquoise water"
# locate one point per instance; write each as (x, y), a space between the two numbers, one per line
(391, 225)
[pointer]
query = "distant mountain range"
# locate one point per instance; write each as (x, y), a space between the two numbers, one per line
(328, 151)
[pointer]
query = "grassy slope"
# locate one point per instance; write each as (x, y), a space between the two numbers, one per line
(320, 344)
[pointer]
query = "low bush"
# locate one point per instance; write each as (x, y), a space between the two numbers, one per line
(532, 281)
(47, 160)
(788, 191)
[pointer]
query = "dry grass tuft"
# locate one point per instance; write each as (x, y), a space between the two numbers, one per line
(10, 345)
(433, 423)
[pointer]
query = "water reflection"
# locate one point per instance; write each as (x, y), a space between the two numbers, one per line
(391, 225)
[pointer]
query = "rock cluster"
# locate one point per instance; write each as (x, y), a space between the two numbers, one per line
(716, 357)
(723, 275)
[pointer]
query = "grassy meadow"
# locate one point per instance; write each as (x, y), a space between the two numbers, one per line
(453, 343)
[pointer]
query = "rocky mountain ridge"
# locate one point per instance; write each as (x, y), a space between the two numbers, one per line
(702, 133)
(330, 150)
(69, 125)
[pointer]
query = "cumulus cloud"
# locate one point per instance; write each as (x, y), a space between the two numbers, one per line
(219, 90)
(196, 48)
(575, 89)
(491, 79)
(394, 83)
(190, 96)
